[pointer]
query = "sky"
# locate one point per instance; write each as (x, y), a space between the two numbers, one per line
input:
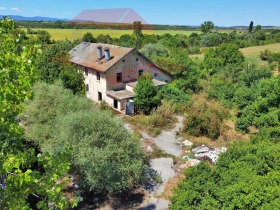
(166, 12)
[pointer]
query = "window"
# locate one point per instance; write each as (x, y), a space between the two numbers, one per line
(86, 71)
(87, 87)
(123, 60)
(136, 59)
(140, 72)
(99, 96)
(119, 77)
(98, 76)
(155, 74)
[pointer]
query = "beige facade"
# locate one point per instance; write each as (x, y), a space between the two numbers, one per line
(111, 72)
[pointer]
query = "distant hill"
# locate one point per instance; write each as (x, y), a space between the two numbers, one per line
(36, 18)
(124, 15)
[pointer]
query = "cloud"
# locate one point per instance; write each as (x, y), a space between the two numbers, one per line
(37, 11)
(15, 9)
(2, 8)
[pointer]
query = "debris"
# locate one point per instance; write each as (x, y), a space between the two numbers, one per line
(187, 143)
(207, 153)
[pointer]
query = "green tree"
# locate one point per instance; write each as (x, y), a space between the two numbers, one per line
(104, 154)
(54, 64)
(29, 177)
(243, 178)
(88, 37)
(207, 26)
(222, 56)
(44, 37)
(154, 50)
(251, 25)
(137, 33)
(258, 28)
(146, 97)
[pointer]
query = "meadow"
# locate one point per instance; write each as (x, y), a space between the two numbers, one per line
(73, 34)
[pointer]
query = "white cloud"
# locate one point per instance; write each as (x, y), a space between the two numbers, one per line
(2, 8)
(15, 9)
(66, 13)
(37, 11)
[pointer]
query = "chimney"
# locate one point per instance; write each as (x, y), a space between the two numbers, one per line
(107, 53)
(99, 51)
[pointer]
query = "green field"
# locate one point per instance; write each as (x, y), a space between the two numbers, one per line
(72, 34)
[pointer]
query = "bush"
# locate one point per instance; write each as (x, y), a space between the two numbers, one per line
(205, 118)
(108, 158)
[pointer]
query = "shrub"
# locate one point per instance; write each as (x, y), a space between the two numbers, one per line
(205, 118)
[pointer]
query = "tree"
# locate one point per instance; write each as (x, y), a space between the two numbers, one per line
(222, 56)
(154, 50)
(137, 33)
(44, 37)
(146, 97)
(251, 25)
(54, 64)
(207, 26)
(243, 178)
(258, 28)
(28, 178)
(104, 154)
(88, 37)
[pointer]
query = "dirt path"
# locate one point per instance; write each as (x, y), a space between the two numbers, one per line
(168, 142)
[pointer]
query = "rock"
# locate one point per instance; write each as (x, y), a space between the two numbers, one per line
(187, 143)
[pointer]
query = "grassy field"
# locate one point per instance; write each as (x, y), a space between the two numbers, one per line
(72, 34)
(251, 54)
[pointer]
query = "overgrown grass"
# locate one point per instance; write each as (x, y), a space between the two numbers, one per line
(162, 118)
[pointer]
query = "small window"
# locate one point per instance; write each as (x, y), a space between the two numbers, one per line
(87, 87)
(140, 72)
(136, 59)
(97, 75)
(155, 74)
(123, 60)
(119, 77)
(86, 71)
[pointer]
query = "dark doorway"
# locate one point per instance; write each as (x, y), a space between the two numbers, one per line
(115, 104)
(140, 72)
(99, 96)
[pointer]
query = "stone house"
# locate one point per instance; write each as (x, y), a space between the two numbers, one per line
(111, 73)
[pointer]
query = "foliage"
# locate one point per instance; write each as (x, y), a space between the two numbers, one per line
(107, 158)
(146, 97)
(127, 41)
(207, 26)
(263, 112)
(44, 37)
(88, 37)
(211, 39)
(185, 72)
(28, 178)
(205, 118)
(224, 55)
(251, 25)
(177, 97)
(245, 177)
(154, 50)
(54, 64)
